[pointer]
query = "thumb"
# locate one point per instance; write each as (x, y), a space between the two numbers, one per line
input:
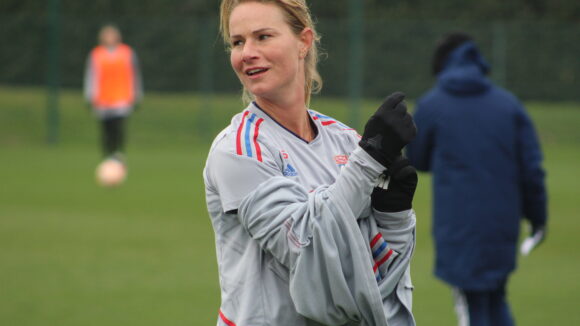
(393, 100)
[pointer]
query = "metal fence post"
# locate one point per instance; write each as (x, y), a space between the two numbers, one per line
(205, 78)
(499, 53)
(53, 71)
(355, 66)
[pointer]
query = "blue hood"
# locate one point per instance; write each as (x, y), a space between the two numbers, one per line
(464, 71)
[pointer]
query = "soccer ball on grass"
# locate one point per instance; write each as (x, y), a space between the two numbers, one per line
(111, 173)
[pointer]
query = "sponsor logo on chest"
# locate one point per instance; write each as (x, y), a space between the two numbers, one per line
(341, 160)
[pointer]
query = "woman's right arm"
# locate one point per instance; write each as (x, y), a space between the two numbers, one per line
(89, 80)
(235, 177)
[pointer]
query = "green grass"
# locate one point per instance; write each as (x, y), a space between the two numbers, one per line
(72, 253)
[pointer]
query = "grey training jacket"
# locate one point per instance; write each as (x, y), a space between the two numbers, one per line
(296, 240)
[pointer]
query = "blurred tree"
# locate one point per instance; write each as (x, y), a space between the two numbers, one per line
(568, 10)
(517, 35)
(557, 10)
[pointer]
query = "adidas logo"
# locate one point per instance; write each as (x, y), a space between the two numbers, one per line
(289, 171)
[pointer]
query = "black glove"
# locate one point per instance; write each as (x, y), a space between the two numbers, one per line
(401, 188)
(388, 130)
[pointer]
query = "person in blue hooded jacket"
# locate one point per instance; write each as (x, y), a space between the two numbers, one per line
(480, 144)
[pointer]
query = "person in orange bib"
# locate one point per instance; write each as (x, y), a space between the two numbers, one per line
(112, 87)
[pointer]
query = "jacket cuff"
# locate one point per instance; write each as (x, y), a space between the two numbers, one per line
(367, 161)
(393, 220)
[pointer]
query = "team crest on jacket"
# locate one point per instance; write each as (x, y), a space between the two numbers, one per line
(341, 160)
(284, 154)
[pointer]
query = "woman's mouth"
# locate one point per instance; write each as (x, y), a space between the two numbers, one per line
(255, 72)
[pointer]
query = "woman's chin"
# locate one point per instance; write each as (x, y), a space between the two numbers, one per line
(261, 92)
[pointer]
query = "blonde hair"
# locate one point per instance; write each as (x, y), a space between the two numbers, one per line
(298, 17)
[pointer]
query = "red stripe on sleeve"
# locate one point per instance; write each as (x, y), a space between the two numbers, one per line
(326, 123)
(256, 131)
(225, 320)
(380, 262)
(375, 239)
(239, 136)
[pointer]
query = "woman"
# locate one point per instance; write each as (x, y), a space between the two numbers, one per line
(289, 189)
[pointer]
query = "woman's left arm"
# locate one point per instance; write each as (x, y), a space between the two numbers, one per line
(316, 236)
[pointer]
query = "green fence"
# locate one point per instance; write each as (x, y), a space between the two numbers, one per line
(536, 60)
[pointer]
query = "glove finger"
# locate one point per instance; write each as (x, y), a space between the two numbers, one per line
(400, 110)
(402, 105)
(392, 101)
(398, 163)
(406, 129)
(406, 172)
(409, 123)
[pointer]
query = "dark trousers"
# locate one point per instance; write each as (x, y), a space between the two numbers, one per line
(482, 308)
(113, 135)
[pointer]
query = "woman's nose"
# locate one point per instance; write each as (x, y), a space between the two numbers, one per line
(249, 52)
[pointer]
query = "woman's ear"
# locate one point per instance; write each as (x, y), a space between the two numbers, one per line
(306, 38)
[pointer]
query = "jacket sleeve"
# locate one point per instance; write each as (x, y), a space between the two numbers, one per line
(392, 261)
(316, 236)
(419, 151)
(235, 176)
(531, 172)
(289, 207)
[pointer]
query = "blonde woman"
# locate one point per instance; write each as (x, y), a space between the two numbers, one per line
(303, 237)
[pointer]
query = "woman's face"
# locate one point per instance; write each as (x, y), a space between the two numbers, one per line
(265, 54)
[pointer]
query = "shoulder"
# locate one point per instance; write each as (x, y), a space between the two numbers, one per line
(430, 104)
(245, 136)
(432, 96)
(505, 104)
(125, 51)
(96, 50)
(333, 126)
(431, 109)
(505, 95)
(125, 47)
(238, 160)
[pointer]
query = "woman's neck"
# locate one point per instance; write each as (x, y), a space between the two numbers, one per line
(293, 115)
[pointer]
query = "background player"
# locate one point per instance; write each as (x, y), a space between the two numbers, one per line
(486, 160)
(112, 87)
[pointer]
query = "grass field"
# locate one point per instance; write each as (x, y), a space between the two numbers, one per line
(72, 253)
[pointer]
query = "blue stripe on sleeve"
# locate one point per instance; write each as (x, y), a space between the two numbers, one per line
(322, 116)
(377, 252)
(247, 136)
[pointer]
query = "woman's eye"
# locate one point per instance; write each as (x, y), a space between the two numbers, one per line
(263, 37)
(236, 43)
